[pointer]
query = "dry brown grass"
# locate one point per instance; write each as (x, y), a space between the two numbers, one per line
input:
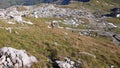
(39, 40)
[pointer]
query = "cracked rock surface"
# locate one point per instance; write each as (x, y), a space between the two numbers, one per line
(13, 58)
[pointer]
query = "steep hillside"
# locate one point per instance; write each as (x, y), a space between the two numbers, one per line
(78, 33)
(47, 43)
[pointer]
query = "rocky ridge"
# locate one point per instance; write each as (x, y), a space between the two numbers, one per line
(72, 18)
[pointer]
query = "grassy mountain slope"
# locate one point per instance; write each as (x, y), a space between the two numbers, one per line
(45, 43)
(40, 41)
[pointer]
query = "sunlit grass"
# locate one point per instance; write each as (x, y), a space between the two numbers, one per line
(38, 40)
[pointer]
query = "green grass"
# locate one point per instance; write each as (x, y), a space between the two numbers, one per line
(38, 40)
(117, 30)
(113, 20)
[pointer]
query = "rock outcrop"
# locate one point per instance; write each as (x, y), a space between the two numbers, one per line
(68, 63)
(13, 58)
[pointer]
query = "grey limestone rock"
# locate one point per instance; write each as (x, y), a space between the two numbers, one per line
(13, 58)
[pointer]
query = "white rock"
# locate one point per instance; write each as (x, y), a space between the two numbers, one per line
(62, 64)
(2, 14)
(9, 29)
(9, 62)
(118, 15)
(28, 22)
(49, 27)
(18, 19)
(10, 22)
(66, 64)
(55, 21)
(24, 57)
(112, 25)
(2, 59)
(67, 59)
(86, 53)
(111, 66)
(33, 59)
(15, 58)
(19, 64)
(35, 14)
(16, 65)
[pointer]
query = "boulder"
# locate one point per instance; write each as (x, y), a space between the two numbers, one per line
(18, 18)
(118, 15)
(68, 63)
(2, 14)
(13, 58)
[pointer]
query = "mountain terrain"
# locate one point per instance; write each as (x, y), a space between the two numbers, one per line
(8, 3)
(59, 33)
